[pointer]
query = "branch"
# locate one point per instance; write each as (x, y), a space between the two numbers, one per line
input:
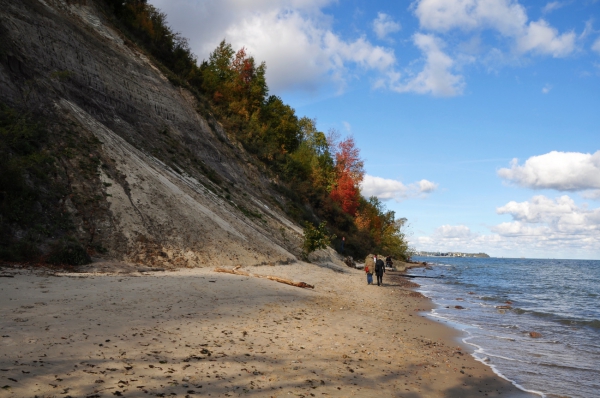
(237, 271)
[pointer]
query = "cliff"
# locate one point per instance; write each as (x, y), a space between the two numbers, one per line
(143, 171)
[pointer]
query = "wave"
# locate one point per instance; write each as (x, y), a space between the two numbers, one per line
(500, 374)
(593, 323)
(554, 365)
(510, 326)
(505, 338)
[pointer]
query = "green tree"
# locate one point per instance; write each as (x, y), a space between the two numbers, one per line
(315, 239)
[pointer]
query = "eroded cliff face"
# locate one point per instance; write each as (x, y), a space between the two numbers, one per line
(168, 186)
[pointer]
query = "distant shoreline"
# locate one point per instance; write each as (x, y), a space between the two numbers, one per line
(454, 254)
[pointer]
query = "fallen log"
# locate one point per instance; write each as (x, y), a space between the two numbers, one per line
(234, 271)
(289, 282)
(237, 271)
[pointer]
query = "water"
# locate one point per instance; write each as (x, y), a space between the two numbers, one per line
(557, 298)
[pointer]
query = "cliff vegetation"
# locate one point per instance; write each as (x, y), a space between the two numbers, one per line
(85, 126)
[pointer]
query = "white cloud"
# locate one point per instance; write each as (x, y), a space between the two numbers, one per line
(386, 189)
(541, 38)
(455, 238)
(436, 77)
(540, 209)
(384, 25)
(454, 232)
(540, 227)
(593, 194)
(548, 220)
(546, 89)
(596, 45)
(505, 16)
(562, 171)
(293, 37)
(347, 126)
(588, 30)
(427, 186)
(552, 6)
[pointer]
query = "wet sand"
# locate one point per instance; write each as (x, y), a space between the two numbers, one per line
(196, 332)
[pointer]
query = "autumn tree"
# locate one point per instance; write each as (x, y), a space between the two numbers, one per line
(349, 174)
(386, 233)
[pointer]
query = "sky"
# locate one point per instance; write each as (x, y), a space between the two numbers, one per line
(478, 120)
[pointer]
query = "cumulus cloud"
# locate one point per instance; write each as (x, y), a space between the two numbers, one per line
(454, 232)
(593, 194)
(436, 77)
(294, 38)
(455, 238)
(427, 186)
(547, 219)
(540, 226)
(562, 171)
(541, 38)
(386, 189)
(384, 25)
(540, 209)
(508, 17)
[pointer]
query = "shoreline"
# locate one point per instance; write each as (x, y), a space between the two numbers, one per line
(473, 348)
(196, 332)
(463, 334)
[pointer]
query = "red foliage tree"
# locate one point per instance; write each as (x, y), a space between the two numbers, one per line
(349, 174)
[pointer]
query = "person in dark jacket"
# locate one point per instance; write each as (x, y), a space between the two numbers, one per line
(379, 270)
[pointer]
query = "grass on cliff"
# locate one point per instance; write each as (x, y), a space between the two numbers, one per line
(32, 192)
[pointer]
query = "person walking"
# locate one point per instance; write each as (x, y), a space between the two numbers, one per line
(369, 268)
(379, 270)
(388, 262)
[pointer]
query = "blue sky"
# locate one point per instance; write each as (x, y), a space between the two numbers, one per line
(441, 96)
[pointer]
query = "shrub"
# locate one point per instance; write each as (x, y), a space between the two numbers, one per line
(68, 252)
(23, 250)
(315, 239)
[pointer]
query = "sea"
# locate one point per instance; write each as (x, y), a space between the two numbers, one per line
(559, 299)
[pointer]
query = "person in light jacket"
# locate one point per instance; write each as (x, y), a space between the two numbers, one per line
(369, 269)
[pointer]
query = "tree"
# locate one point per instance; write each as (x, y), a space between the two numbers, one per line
(315, 239)
(385, 231)
(216, 72)
(349, 174)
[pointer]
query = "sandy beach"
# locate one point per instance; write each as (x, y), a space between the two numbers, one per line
(197, 332)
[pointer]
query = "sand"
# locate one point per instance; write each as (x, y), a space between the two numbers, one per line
(196, 332)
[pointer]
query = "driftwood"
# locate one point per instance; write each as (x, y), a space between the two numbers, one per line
(233, 271)
(237, 271)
